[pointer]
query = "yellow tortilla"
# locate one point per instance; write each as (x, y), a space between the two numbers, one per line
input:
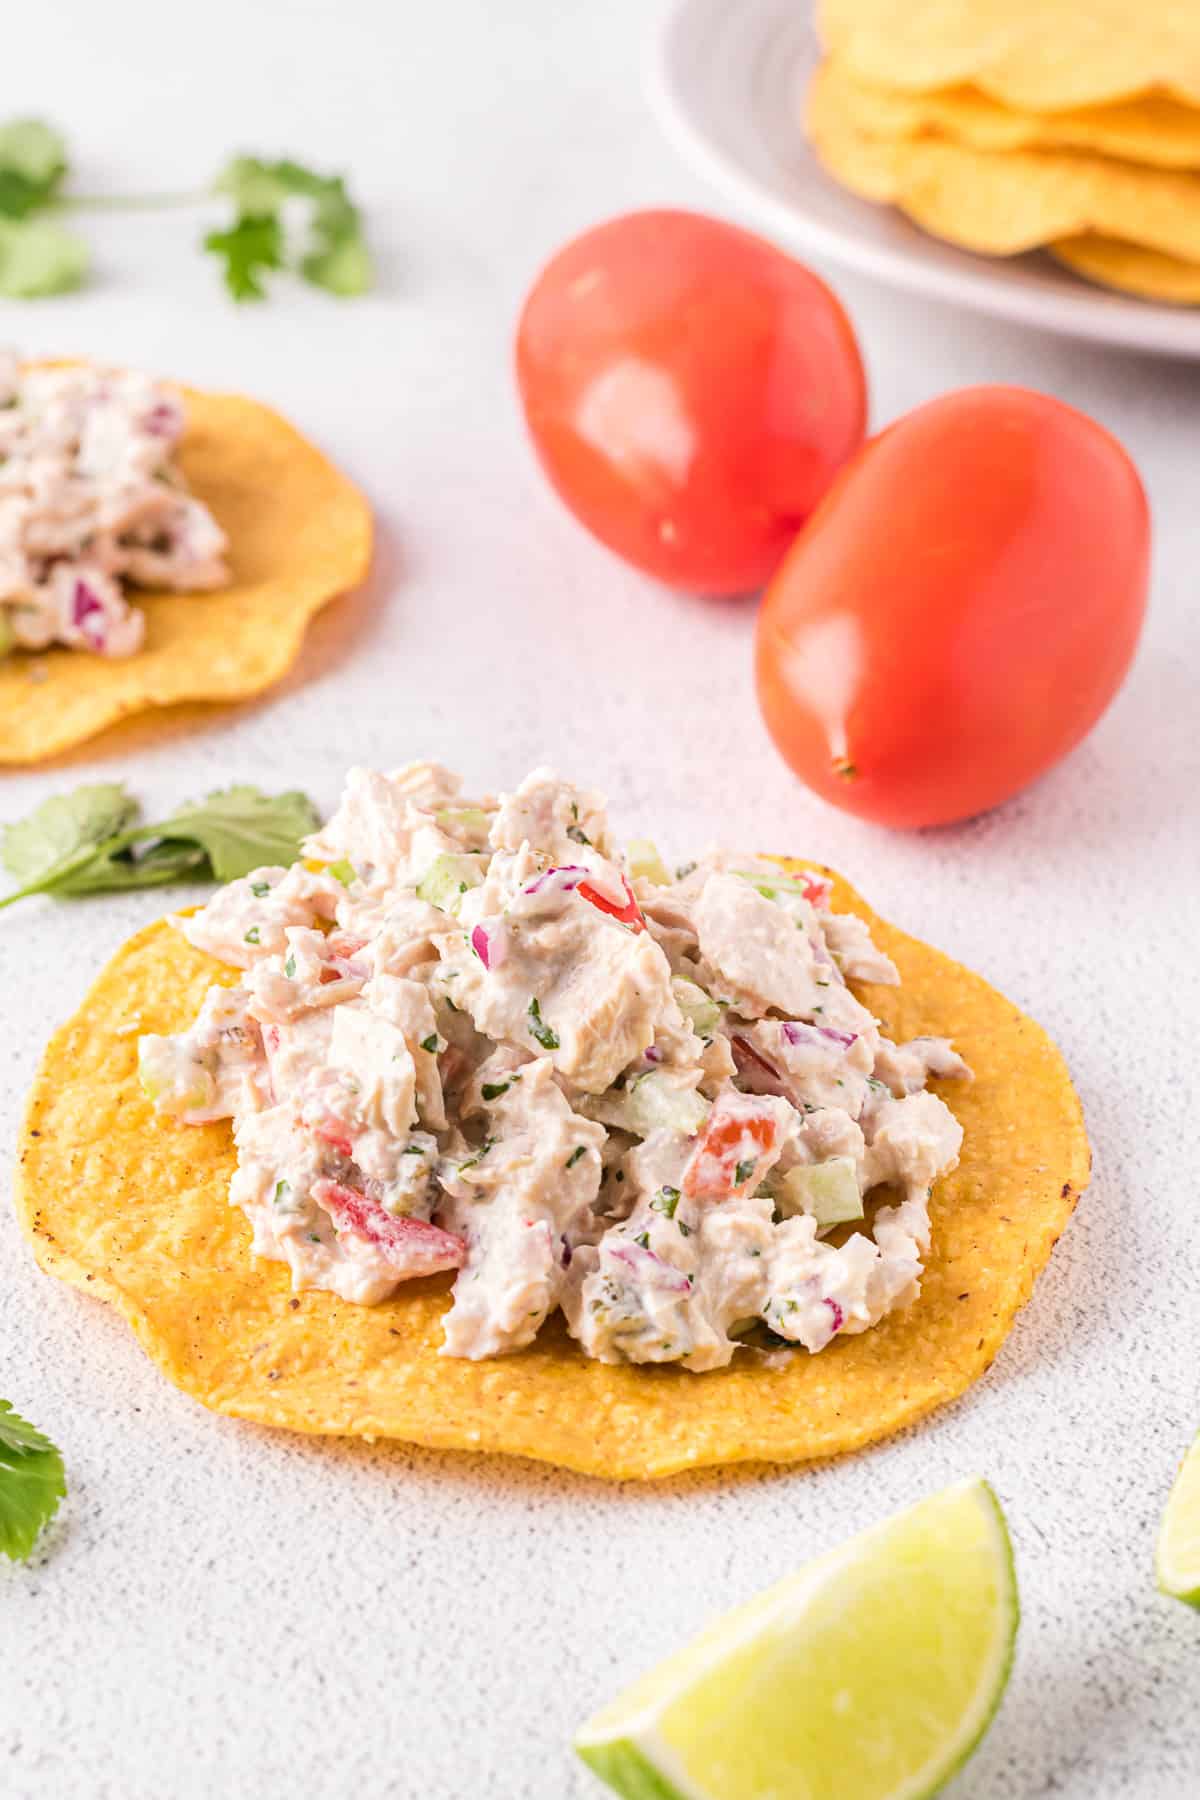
(1003, 203)
(133, 1208)
(1045, 55)
(299, 534)
(1131, 269)
(1151, 129)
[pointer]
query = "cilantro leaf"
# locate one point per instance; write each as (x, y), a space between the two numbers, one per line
(88, 843)
(545, 1034)
(112, 868)
(33, 161)
(32, 1483)
(333, 252)
(337, 258)
(37, 258)
(241, 828)
(285, 217)
(343, 267)
(18, 1434)
(256, 188)
(251, 246)
(63, 825)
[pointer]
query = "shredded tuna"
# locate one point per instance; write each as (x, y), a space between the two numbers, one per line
(497, 1055)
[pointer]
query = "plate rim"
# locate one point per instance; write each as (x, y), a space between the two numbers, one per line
(1098, 316)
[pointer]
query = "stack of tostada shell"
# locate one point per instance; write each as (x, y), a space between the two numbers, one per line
(1012, 125)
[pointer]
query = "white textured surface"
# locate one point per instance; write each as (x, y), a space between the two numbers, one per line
(224, 1610)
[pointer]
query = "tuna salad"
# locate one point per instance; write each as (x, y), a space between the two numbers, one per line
(89, 501)
(474, 1035)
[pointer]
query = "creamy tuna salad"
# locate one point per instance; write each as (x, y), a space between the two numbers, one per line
(473, 1035)
(90, 500)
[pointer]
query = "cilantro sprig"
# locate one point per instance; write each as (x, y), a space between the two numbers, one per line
(331, 251)
(282, 217)
(33, 161)
(36, 256)
(92, 840)
(32, 1483)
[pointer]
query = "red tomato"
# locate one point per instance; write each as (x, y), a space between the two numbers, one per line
(691, 393)
(960, 609)
(739, 1132)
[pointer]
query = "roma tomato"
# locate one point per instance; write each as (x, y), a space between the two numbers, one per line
(959, 611)
(691, 393)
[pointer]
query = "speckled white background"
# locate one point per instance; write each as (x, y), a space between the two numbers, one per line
(222, 1610)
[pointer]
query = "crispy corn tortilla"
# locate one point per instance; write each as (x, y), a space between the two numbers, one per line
(1045, 55)
(1131, 269)
(1152, 129)
(299, 534)
(1002, 204)
(134, 1209)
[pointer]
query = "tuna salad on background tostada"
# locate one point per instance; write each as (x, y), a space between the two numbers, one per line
(156, 545)
(625, 1119)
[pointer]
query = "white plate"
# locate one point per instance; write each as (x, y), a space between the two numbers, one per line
(726, 82)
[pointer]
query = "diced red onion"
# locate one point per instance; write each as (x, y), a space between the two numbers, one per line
(823, 960)
(163, 419)
(491, 947)
(536, 886)
(87, 611)
(807, 1034)
(761, 1076)
(636, 1257)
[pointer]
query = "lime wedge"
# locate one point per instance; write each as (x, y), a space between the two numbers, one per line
(871, 1674)
(1177, 1559)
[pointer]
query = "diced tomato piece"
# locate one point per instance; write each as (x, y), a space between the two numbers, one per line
(630, 914)
(738, 1133)
(333, 1132)
(341, 943)
(411, 1247)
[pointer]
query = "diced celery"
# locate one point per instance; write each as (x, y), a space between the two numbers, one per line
(642, 858)
(654, 1103)
(447, 879)
(827, 1191)
(151, 1070)
(696, 1006)
(770, 884)
(160, 1067)
(472, 820)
